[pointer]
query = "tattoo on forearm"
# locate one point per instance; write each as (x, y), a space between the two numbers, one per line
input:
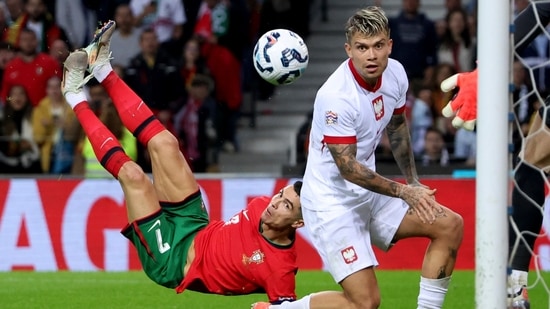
(398, 134)
(344, 156)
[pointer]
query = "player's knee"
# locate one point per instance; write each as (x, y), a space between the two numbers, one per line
(133, 175)
(454, 228)
(164, 141)
(371, 302)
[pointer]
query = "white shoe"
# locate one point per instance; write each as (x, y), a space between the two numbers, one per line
(98, 50)
(519, 299)
(74, 69)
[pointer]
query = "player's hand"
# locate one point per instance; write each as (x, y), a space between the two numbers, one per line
(464, 105)
(422, 200)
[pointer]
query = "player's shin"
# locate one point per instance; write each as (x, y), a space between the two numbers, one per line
(134, 113)
(106, 147)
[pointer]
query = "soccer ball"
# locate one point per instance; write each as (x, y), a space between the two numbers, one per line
(280, 56)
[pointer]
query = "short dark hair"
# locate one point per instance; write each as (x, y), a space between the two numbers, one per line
(297, 187)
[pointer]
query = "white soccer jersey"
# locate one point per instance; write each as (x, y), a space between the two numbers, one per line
(348, 111)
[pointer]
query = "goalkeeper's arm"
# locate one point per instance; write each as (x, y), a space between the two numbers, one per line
(526, 22)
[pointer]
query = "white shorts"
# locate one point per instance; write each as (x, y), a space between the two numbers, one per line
(343, 236)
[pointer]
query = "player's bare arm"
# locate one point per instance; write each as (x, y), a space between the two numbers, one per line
(345, 158)
(398, 134)
(419, 198)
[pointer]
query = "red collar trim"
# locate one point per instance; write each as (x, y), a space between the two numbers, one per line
(361, 81)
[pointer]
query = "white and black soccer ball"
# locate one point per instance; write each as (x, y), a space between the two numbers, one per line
(280, 56)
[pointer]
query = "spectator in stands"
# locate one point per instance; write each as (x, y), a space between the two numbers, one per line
(7, 53)
(4, 17)
(457, 45)
(214, 30)
(40, 21)
(440, 99)
(156, 78)
(421, 118)
(451, 5)
(412, 30)
(194, 124)
(225, 23)
(167, 17)
(192, 62)
(15, 9)
(19, 153)
(225, 69)
(103, 106)
(59, 51)
(56, 130)
(78, 19)
(30, 69)
(125, 42)
(465, 146)
(435, 152)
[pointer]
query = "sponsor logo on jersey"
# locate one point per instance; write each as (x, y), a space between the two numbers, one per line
(349, 255)
(378, 104)
(331, 118)
(257, 257)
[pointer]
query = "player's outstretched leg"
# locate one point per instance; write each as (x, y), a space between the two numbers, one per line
(173, 179)
(134, 113)
(106, 147)
(141, 199)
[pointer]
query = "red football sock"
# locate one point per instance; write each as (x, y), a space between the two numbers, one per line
(133, 112)
(106, 147)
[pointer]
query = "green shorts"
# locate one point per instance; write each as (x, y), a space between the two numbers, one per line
(162, 240)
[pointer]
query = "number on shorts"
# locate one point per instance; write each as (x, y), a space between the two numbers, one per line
(163, 246)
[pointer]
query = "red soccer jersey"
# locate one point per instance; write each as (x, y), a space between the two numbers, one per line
(233, 258)
(33, 76)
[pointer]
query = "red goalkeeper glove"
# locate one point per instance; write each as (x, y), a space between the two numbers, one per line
(464, 103)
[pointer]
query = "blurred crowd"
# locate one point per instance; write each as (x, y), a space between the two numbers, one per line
(445, 47)
(433, 50)
(189, 60)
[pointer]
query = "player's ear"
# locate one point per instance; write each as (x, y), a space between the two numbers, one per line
(298, 223)
(347, 47)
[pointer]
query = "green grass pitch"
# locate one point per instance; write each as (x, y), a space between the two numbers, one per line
(134, 290)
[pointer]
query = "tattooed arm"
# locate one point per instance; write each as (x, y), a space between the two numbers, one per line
(418, 197)
(400, 141)
(345, 158)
